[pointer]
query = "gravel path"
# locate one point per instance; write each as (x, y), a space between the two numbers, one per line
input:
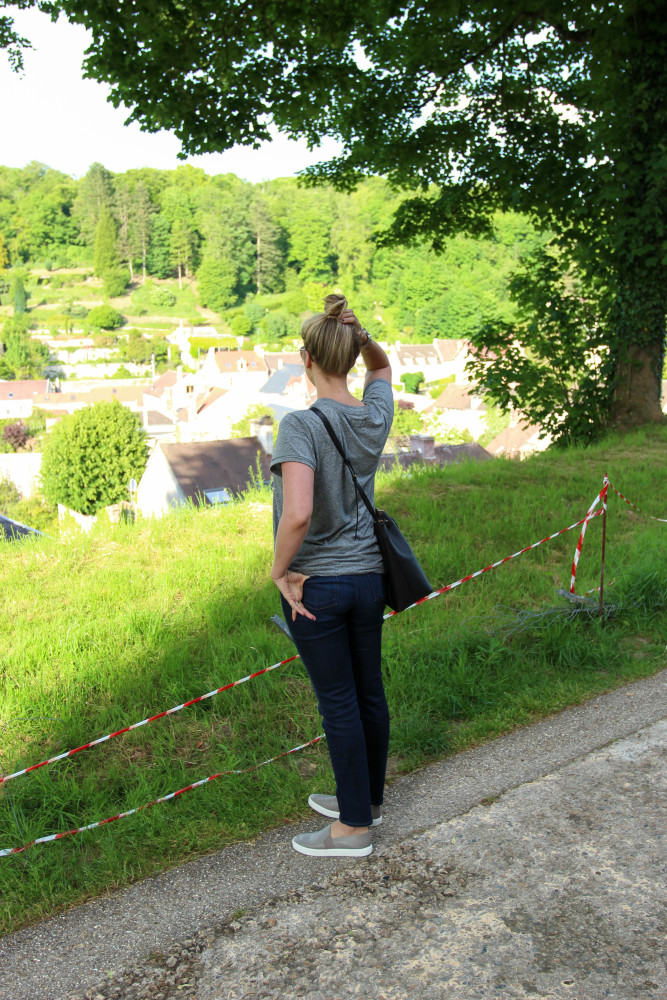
(531, 867)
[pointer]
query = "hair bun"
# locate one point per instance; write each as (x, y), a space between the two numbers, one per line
(334, 305)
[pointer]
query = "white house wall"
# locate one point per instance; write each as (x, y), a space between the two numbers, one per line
(15, 409)
(158, 489)
(23, 469)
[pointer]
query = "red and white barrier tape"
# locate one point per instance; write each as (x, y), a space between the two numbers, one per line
(266, 670)
(602, 496)
(144, 722)
(638, 509)
(471, 576)
(197, 784)
(164, 798)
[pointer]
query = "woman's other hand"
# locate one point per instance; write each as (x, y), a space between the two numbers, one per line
(291, 587)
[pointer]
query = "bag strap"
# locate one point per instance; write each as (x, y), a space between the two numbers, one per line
(332, 434)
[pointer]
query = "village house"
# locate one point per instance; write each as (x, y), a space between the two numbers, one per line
(424, 450)
(440, 359)
(275, 361)
(199, 472)
(519, 440)
(461, 407)
(453, 356)
(57, 404)
(18, 398)
(233, 369)
(185, 406)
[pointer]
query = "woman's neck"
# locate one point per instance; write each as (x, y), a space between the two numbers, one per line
(335, 387)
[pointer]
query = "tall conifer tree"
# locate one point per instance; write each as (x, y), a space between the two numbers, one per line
(106, 249)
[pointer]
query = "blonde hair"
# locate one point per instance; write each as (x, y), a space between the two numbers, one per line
(333, 345)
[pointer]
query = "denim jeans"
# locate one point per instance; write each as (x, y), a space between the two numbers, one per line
(341, 652)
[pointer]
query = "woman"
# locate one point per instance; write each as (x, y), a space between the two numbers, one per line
(329, 571)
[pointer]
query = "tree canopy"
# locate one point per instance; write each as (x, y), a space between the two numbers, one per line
(557, 109)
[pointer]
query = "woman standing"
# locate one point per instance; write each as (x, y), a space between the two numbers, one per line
(329, 571)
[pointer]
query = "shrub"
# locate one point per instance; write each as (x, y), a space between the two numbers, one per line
(91, 455)
(412, 381)
(35, 512)
(9, 494)
(105, 318)
(161, 295)
(16, 435)
(241, 325)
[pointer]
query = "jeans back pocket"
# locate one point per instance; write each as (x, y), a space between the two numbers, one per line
(320, 592)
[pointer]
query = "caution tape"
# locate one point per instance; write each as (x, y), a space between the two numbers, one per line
(4, 852)
(144, 722)
(639, 511)
(591, 513)
(226, 687)
(602, 496)
(471, 576)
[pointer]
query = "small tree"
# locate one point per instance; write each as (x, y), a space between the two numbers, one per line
(412, 381)
(216, 280)
(105, 254)
(406, 420)
(20, 297)
(23, 358)
(241, 325)
(91, 455)
(4, 256)
(115, 281)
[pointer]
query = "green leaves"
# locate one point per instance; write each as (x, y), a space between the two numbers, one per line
(91, 455)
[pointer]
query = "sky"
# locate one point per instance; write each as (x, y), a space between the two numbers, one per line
(52, 115)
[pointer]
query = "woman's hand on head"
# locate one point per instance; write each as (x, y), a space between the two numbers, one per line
(291, 587)
(347, 316)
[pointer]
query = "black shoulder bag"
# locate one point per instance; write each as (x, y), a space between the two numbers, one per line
(406, 580)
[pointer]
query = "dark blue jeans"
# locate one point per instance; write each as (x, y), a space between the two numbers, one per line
(341, 652)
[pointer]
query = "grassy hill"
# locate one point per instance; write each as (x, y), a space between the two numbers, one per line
(99, 632)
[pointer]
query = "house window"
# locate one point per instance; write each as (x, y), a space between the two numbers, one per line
(189, 389)
(218, 496)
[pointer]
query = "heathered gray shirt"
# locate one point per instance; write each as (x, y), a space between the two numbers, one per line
(330, 547)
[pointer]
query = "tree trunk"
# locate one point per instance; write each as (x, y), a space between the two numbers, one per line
(180, 280)
(639, 320)
(637, 392)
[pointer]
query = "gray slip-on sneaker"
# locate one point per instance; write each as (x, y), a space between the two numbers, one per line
(323, 845)
(327, 805)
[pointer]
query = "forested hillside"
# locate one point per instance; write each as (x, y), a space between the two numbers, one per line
(276, 242)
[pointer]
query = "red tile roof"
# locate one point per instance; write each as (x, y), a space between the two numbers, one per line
(236, 361)
(23, 389)
(448, 349)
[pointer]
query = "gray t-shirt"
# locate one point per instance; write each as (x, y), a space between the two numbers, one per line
(330, 548)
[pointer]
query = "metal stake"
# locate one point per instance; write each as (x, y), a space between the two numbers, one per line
(604, 537)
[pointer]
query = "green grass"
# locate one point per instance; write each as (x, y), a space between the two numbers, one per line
(185, 301)
(99, 632)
